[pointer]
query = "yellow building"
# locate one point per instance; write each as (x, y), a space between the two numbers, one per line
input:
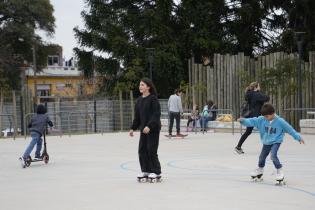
(58, 81)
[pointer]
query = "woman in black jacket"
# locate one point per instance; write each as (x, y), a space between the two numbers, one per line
(256, 100)
(147, 120)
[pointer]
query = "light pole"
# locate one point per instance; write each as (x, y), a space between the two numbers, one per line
(35, 70)
(150, 54)
(299, 41)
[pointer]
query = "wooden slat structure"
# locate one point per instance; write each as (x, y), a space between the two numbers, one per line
(223, 84)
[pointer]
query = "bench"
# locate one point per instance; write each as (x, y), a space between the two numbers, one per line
(308, 125)
(216, 126)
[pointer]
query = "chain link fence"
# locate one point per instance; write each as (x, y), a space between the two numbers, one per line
(103, 115)
(70, 117)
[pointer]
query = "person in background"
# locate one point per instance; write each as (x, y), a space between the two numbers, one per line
(209, 113)
(175, 109)
(255, 100)
(194, 116)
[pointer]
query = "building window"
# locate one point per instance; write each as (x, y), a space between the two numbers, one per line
(43, 90)
(60, 86)
(53, 60)
(69, 85)
(43, 93)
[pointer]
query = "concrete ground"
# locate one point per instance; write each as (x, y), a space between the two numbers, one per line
(90, 172)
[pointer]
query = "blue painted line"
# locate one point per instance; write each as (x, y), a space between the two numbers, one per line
(171, 164)
(123, 166)
(284, 187)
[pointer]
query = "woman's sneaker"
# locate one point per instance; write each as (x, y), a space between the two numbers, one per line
(153, 178)
(142, 177)
(239, 150)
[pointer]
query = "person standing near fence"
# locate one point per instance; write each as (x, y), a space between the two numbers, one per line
(175, 108)
(255, 100)
(148, 119)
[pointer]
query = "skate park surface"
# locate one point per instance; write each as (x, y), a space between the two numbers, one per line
(88, 172)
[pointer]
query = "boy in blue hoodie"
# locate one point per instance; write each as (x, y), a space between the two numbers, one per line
(37, 128)
(272, 129)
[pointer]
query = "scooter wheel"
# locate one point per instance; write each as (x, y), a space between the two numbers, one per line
(46, 159)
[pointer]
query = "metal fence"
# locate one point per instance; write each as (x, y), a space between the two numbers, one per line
(73, 117)
(99, 116)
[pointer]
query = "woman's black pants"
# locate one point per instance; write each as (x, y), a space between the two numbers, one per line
(148, 157)
(244, 136)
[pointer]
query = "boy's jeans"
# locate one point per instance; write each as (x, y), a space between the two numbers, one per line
(36, 140)
(273, 149)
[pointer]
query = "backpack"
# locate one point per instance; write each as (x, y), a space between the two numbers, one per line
(205, 111)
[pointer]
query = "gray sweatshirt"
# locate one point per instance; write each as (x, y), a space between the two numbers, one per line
(175, 104)
(39, 122)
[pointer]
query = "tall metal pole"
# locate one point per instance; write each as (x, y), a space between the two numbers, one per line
(94, 89)
(151, 69)
(150, 54)
(35, 70)
(299, 77)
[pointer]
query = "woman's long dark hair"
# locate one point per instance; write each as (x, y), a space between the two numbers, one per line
(150, 84)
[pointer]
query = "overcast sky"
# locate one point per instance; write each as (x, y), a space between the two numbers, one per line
(67, 14)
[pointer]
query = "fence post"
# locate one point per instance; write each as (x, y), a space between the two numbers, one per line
(132, 105)
(187, 98)
(86, 117)
(1, 108)
(95, 129)
(121, 111)
(194, 96)
(14, 114)
(22, 114)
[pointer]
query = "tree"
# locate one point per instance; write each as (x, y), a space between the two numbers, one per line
(122, 30)
(119, 31)
(293, 16)
(201, 28)
(18, 22)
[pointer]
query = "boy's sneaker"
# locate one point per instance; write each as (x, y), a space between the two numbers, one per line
(239, 150)
(37, 158)
(23, 163)
(257, 174)
(279, 175)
